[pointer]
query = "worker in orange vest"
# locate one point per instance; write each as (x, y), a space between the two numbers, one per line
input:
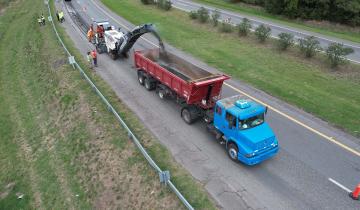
(94, 57)
(90, 34)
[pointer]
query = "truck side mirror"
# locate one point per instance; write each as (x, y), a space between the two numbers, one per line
(266, 109)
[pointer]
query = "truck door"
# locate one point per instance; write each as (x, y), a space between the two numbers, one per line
(230, 126)
(218, 118)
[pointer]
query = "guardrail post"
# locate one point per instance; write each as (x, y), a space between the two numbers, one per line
(164, 177)
(71, 60)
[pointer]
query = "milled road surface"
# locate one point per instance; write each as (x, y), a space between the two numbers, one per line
(276, 28)
(297, 178)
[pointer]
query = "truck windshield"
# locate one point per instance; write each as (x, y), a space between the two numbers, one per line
(251, 122)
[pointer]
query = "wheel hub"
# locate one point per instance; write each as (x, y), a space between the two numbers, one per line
(233, 153)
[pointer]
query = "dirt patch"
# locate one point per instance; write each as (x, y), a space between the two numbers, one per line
(59, 63)
(2, 11)
(6, 190)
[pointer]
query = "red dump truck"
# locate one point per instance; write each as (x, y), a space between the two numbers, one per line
(194, 88)
(236, 121)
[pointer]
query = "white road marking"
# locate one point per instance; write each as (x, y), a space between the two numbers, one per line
(339, 185)
(349, 149)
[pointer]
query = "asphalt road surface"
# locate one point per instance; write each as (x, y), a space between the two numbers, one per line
(312, 152)
(276, 28)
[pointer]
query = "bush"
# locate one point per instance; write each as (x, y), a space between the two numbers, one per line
(285, 40)
(309, 46)
(215, 17)
(336, 53)
(164, 4)
(193, 15)
(203, 15)
(226, 27)
(147, 1)
(262, 32)
(244, 27)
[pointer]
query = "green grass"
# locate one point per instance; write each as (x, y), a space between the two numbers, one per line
(307, 84)
(60, 146)
(338, 32)
(191, 189)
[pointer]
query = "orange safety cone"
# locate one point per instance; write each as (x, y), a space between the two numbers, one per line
(356, 193)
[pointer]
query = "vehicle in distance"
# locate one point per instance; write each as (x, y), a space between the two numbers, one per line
(236, 121)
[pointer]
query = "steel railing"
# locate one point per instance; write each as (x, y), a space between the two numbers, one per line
(164, 175)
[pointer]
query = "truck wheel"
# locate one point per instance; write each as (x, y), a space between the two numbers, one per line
(233, 152)
(161, 94)
(186, 115)
(141, 78)
(98, 49)
(148, 85)
(112, 55)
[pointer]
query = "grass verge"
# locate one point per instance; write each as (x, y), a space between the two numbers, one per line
(61, 148)
(342, 32)
(332, 96)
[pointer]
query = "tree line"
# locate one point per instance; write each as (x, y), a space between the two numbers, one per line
(340, 11)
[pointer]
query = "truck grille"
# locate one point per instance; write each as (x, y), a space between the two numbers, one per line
(261, 145)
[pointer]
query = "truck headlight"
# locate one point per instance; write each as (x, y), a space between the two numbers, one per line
(274, 144)
(250, 155)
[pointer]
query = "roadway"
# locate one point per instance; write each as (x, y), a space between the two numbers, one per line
(276, 28)
(312, 152)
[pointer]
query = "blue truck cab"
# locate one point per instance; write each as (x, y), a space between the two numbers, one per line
(241, 123)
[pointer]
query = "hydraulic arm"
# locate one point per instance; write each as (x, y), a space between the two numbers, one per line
(131, 37)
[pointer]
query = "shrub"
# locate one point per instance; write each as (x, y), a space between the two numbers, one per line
(262, 32)
(167, 5)
(203, 15)
(336, 53)
(244, 27)
(147, 1)
(309, 46)
(193, 15)
(285, 40)
(164, 4)
(226, 27)
(215, 17)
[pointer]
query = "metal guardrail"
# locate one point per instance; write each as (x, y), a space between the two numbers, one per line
(163, 175)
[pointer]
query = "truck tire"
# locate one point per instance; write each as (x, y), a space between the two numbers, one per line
(186, 115)
(112, 55)
(189, 114)
(141, 78)
(162, 94)
(148, 84)
(233, 152)
(98, 49)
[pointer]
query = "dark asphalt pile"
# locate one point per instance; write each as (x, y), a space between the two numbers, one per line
(177, 65)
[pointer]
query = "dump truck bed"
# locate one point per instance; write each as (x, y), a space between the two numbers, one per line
(177, 65)
(196, 85)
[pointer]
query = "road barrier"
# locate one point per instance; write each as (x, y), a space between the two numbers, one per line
(163, 175)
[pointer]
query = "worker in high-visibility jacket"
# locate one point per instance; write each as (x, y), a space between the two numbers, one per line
(61, 17)
(94, 57)
(42, 19)
(90, 34)
(39, 21)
